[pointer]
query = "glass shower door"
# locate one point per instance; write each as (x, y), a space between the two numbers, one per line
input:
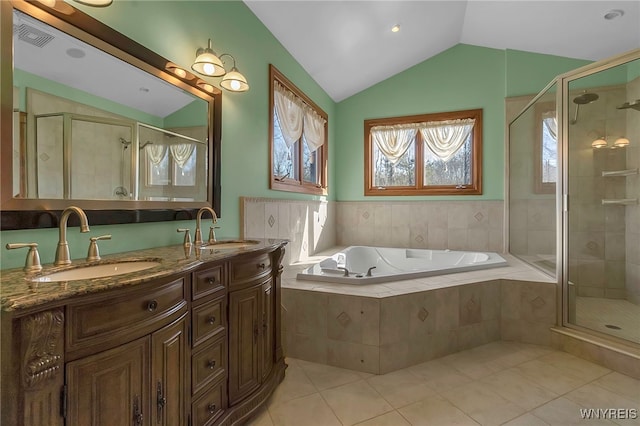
(603, 231)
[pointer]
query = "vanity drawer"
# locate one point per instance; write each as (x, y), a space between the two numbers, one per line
(208, 364)
(207, 408)
(122, 316)
(207, 281)
(247, 268)
(208, 320)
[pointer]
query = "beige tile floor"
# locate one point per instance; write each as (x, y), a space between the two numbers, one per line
(597, 312)
(498, 383)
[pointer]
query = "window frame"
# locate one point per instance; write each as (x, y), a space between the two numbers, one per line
(475, 188)
(290, 184)
(541, 187)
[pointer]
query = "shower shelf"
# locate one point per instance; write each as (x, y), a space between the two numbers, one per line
(620, 201)
(628, 172)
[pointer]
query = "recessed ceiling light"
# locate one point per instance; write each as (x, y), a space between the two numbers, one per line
(144, 89)
(613, 14)
(74, 52)
(395, 28)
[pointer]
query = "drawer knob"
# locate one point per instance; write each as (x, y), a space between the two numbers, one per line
(152, 305)
(211, 364)
(211, 281)
(211, 408)
(261, 266)
(212, 320)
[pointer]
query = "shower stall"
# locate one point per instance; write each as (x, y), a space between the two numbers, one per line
(573, 190)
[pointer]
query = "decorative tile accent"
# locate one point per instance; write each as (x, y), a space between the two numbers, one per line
(538, 302)
(419, 238)
(471, 304)
(271, 221)
(592, 245)
(344, 319)
(366, 215)
(423, 314)
(44, 156)
(479, 216)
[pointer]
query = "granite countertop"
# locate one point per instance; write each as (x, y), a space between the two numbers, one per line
(18, 292)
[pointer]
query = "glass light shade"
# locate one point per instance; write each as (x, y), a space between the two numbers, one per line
(621, 142)
(234, 81)
(599, 143)
(208, 63)
(95, 3)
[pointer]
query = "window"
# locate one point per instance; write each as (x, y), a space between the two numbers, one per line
(298, 139)
(546, 149)
(430, 154)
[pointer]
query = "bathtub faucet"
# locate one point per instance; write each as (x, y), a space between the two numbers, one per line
(369, 271)
(346, 271)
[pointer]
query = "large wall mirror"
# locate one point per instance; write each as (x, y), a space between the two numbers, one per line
(110, 129)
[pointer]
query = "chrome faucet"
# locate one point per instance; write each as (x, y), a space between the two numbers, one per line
(212, 235)
(62, 251)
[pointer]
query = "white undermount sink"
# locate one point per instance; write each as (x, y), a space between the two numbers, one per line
(229, 244)
(96, 271)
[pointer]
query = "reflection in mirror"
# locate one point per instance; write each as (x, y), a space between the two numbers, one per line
(111, 128)
(77, 144)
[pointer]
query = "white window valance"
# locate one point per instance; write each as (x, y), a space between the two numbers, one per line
(181, 152)
(156, 152)
(393, 141)
(296, 117)
(444, 138)
(551, 123)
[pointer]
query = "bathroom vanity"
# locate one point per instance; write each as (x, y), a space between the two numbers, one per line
(194, 340)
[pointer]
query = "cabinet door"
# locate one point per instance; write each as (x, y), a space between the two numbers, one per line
(169, 365)
(111, 387)
(266, 345)
(244, 353)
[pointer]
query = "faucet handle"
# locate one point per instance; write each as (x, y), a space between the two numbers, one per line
(212, 234)
(94, 253)
(32, 263)
(187, 236)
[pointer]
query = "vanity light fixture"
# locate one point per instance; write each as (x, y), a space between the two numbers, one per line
(95, 3)
(599, 143)
(621, 142)
(208, 63)
(233, 80)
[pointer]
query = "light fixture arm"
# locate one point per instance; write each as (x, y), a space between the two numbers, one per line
(229, 55)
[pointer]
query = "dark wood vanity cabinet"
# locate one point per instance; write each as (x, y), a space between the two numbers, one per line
(197, 348)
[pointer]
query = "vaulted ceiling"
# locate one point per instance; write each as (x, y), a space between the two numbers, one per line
(348, 46)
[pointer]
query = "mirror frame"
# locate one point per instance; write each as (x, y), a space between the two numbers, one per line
(31, 213)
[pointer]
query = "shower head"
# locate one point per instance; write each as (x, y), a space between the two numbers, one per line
(145, 144)
(125, 142)
(585, 98)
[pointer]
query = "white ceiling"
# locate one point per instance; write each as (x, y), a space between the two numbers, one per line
(348, 46)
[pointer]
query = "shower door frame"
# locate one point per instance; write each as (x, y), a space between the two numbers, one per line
(562, 186)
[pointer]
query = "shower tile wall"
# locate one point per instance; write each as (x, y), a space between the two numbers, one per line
(632, 216)
(597, 240)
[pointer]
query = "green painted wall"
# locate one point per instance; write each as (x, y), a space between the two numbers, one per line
(462, 77)
(175, 29)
